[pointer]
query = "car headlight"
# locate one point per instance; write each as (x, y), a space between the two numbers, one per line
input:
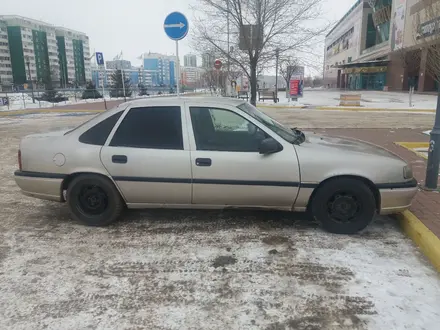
(407, 172)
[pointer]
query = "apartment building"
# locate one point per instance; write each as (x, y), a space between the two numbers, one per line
(5, 57)
(41, 52)
(191, 76)
(74, 57)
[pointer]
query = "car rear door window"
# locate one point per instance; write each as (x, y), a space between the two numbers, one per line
(98, 134)
(150, 128)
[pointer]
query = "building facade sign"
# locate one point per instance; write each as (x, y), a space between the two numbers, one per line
(370, 69)
(398, 25)
(429, 28)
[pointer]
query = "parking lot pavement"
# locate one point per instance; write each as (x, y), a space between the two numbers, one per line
(173, 269)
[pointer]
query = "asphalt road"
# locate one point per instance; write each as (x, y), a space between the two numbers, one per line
(173, 269)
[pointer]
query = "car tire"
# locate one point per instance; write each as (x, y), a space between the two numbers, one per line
(344, 206)
(94, 200)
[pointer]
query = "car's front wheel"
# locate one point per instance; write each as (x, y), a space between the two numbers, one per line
(344, 205)
(94, 200)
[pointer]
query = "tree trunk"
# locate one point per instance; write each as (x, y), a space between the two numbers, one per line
(253, 84)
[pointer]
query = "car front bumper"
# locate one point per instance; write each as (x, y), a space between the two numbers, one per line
(397, 199)
(40, 185)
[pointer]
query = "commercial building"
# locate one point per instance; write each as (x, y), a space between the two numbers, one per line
(118, 64)
(190, 60)
(163, 65)
(40, 52)
(383, 45)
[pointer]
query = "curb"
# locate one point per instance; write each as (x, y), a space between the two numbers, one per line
(281, 106)
(359, 109)
(425, 239)
(374, 109)
(411, 146)
(35, 112)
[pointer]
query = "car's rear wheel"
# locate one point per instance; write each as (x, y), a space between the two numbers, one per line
(94, 200)
(344, 205)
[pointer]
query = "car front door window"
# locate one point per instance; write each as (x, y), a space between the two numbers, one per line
(224, 130)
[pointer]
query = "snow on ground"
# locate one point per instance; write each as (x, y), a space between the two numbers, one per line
(171, 269)
(369, 99)
(18, 101)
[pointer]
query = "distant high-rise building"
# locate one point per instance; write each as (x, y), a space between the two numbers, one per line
(43, 52)
(190, 60)
(118, 65)
(208, 60)
(191, 76)
(163, 65)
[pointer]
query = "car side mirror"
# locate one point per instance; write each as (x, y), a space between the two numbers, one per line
(269, 146)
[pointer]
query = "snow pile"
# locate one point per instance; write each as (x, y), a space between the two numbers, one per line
(369, 99)
(18, 101)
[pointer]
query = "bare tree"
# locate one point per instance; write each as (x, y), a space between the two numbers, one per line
(215, 78)
(318, 81)
(257, 28)
(288, 67)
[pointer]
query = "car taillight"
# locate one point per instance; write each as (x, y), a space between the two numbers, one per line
(19, 160)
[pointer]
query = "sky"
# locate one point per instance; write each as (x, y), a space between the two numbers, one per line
(133, 26)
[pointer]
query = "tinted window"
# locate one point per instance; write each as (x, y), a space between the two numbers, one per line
(224, 130)
(150, 127)
(98, 134)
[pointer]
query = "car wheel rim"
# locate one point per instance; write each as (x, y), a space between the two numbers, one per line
(344, 207)
(92, 200)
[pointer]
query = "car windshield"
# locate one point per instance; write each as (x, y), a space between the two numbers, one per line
(286, 133)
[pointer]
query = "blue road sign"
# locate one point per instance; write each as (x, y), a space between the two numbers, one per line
(4, 101)
(176, 26)
(99, 58)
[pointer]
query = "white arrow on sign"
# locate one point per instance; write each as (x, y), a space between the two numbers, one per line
(178, 25)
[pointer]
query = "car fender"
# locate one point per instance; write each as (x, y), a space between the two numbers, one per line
(90, 170)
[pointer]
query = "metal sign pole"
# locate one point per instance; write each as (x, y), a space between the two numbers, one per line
(218, 81)
(176, 27)
(177, 69)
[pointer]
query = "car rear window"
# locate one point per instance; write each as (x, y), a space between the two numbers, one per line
(99, 133)
(158, 127)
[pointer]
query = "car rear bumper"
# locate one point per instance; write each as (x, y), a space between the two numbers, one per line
(397, 199)
(40, 185)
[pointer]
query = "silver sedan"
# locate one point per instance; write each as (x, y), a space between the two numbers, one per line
(210, 153)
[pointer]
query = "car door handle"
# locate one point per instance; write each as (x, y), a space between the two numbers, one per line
(119, 159)
(203, 162)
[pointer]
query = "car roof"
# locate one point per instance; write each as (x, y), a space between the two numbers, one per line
(227, 101)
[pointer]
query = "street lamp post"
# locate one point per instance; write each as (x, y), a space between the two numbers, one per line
(228, 87)
(30, 77)
(277, 54)
(432, 169)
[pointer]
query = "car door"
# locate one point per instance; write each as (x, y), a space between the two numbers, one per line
(148, 156)
(227, 167)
